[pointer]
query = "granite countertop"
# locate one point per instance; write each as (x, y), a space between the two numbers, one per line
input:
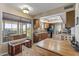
(17, 42)
(40, 32)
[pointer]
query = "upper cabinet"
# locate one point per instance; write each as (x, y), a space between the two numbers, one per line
(70, 18)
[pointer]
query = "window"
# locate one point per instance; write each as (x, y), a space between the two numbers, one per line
(20, 28)
(9, 27)
(14, 27)
(24, 28)
(29, 31)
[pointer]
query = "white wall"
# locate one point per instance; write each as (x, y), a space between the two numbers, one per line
(76, 26)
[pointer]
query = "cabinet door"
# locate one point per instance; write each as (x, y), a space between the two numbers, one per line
(13, 50)
(70, 18)
(18, 49)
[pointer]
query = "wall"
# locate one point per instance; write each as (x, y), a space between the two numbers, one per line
(77, 25)
(11, 10)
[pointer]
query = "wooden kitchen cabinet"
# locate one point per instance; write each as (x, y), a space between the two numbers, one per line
(70, 18)
(44, 36)
(35, 38)
(13, 50)
(40, 36)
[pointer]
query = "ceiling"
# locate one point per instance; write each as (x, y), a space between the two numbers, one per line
(37, 8)
(56, 18)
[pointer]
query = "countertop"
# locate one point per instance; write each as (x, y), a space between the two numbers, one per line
(17, 42)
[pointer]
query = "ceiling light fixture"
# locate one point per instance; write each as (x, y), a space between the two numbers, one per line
(25, 10)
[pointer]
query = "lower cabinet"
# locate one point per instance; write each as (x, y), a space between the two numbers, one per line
(13, 50)
(39, 37)
(35, 38)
